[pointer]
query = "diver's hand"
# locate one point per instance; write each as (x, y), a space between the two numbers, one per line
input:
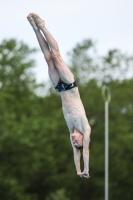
(83, 174)
(79, 174)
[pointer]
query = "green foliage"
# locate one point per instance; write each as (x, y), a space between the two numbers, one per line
(58, 195)
(36, 159)
(81, 61)
(87, 65)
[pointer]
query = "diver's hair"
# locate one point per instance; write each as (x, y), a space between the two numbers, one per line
(80, 147)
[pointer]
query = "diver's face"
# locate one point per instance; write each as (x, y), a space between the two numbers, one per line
(77, 139)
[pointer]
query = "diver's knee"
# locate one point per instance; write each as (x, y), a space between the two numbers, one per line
(55, 55)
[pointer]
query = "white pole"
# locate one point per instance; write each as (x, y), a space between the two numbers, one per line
(106, 150)
(107, 97)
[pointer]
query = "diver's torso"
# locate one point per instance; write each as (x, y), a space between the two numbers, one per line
(73, 110)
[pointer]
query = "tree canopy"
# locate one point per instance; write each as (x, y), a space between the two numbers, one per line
(36, 158)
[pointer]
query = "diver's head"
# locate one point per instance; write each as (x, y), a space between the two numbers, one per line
(77, 140)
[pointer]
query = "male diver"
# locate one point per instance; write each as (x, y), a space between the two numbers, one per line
(65, 84)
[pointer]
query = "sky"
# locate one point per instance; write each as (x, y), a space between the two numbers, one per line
(107, 22)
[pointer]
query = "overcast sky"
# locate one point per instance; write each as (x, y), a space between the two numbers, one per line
(109, 22)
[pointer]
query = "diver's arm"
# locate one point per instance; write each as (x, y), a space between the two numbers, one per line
(86, 153)
(76, 154)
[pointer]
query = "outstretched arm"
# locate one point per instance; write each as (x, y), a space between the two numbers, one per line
(77, 159)
(76, 154)
(86, 153)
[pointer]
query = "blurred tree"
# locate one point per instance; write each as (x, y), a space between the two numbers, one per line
(36, 158)
(81, 61)
(58, 195)
(16, 91)
(87, 65)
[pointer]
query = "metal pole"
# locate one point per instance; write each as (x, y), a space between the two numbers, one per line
(106, 152)
(107, 97)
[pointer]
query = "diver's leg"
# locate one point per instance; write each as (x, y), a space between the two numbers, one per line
(64, 72)
(53, 73)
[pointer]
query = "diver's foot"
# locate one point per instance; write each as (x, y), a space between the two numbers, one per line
(39, 22)
(31, 21)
